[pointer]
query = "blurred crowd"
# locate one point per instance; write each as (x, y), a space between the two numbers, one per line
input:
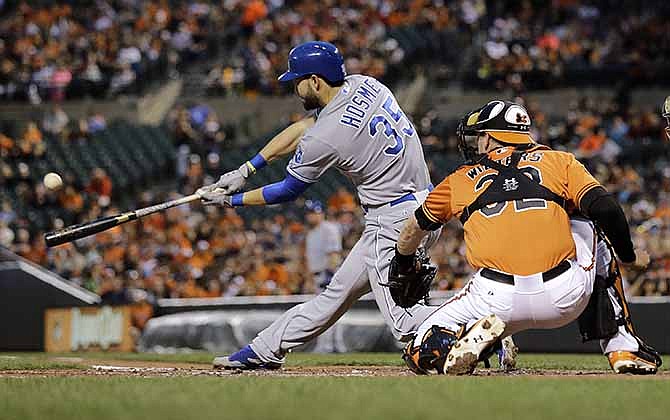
(72, 49)
(183, 252)
(198, 127)
(24, 143)
(573, 43)
(486, 44)
(65, 50)
(361, 29)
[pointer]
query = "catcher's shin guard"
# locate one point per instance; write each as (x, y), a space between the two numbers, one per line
(598, 320)
(617, 291)
(608, 312)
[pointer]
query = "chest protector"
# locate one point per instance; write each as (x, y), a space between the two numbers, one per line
(511, 184)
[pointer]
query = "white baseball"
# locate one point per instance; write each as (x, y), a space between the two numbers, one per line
(52, 181)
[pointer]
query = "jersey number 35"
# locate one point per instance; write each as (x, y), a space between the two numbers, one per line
(391, 127)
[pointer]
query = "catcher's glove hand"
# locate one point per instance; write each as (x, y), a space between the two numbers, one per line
(410, 278)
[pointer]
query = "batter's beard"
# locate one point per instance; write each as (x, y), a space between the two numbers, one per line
(310, 102)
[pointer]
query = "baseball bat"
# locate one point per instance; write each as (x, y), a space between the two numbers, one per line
(82, 230)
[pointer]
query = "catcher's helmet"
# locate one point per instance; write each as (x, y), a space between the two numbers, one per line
(666, 115)
(505, 121)
(315, 57)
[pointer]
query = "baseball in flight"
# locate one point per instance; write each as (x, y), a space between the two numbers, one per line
(53, 181)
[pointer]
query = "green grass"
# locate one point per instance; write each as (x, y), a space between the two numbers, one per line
(327, 398)
(324, 398)
(33, 362)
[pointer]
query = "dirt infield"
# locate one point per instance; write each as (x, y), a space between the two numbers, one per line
(144, 369)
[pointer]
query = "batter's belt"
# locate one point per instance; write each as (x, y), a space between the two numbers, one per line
(404, 198)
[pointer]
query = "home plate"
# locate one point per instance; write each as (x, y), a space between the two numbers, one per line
(127, 369)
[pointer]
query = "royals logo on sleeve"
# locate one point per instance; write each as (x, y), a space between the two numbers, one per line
(297, 158)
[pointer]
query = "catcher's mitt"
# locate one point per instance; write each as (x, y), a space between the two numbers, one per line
(410, 284)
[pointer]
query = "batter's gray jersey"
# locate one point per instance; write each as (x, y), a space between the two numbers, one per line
(320, 243)
(365, 135)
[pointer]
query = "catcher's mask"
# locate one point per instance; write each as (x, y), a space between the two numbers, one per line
(432, 352)
(666, 115)
(467, 136)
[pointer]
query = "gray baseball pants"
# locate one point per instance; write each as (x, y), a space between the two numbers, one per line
(364, 268)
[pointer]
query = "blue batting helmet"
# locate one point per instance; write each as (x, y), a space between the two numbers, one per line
(315, 57)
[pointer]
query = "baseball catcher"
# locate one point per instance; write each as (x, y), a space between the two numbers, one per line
(537, 267)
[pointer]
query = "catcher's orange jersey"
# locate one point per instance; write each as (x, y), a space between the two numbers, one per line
(520, 237)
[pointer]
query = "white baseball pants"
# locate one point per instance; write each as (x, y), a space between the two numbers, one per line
(531, 302)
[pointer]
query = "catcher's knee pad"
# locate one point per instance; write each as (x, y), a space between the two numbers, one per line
(431, 353)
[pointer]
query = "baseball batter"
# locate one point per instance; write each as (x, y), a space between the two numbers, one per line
(359, 129)
(537, 267)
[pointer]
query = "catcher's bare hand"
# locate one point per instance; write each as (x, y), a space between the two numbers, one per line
(641, 260)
